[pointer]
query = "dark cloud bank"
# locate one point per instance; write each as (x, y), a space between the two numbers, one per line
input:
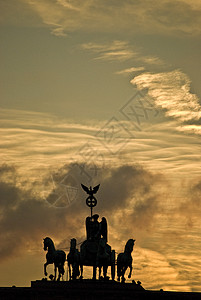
(128, 197)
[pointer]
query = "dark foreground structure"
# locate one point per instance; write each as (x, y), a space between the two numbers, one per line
(89, 290)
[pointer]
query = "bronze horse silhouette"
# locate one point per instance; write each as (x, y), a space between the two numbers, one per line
(124, 260)
(53, 256)
(74, 261)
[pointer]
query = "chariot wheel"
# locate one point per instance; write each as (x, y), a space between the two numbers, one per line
(113, 264)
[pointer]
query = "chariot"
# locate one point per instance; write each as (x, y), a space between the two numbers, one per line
(95, 251)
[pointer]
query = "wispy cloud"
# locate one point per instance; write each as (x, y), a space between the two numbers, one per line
(68, 4)
(171, 91)
(117, 55)
(59, 31)
(151, 60)
(42, 141)
(36, 141)
(130, 70)
(116, 45)
(117, 50)
(167, 277)
(180, 17)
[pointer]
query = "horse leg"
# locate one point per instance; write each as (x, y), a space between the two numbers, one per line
(129, 276)
(55, 272)
(99, 274)
(81, 271)
(45, 268)
(118, 273)
(119, 270)
(123, 273)
(73, 272)
(94, 272)
(105, 271)
(69, 268)
(119, 267)
(58, 279)
(60, 270)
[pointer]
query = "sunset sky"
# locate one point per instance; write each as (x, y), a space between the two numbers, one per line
(96, 91)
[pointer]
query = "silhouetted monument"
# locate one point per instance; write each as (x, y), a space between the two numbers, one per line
(94, 251)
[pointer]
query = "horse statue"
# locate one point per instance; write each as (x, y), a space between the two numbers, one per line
(124, 260)
(103, 257)
(74, 260)
(53, 256)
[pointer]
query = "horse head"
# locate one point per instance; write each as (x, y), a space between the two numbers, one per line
(129, 245)
(73, 243)
(46, 242)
